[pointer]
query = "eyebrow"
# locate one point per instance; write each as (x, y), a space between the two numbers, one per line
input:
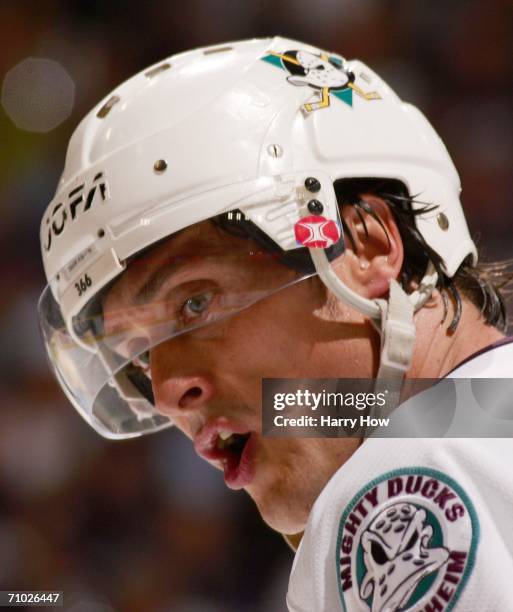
(153, 284)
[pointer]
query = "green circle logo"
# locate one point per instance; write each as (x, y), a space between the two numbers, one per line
(406, 541)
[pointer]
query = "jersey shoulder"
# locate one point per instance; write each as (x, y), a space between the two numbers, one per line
(411, 525)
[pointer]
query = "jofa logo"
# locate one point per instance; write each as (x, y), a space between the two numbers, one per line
(79, 201)
(325, 74)
(406, 542)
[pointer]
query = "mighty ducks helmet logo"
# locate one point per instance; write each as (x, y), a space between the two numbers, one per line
(324, 74)
(406, 543)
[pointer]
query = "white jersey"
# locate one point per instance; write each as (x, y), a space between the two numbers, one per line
(417, 525)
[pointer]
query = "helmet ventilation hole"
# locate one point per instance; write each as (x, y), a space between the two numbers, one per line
(106, 108)
(157, 70)
(217, 50)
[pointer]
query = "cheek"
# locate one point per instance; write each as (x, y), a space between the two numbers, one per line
(272, 337)
(257, 347)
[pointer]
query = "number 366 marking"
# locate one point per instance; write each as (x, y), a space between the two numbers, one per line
(83, 284)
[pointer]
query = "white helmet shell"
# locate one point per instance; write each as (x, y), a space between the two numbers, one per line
(228, 117)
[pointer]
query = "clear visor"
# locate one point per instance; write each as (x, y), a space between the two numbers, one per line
(104, 365)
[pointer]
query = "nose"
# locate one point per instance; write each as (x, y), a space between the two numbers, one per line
(180, 386)
(180, 395)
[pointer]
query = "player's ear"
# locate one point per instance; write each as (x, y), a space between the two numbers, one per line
(374, 249)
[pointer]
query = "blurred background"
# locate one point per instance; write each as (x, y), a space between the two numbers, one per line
(144, 525)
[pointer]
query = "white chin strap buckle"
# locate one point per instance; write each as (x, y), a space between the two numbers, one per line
(397, 343)
(397, 333)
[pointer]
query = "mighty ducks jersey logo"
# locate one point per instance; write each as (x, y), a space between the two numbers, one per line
(325, 74)
(406, 542)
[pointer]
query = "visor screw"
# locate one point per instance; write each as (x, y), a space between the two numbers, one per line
(315, 207)
(274, 150)
(160, 165)
(312, 184)
(443, 221)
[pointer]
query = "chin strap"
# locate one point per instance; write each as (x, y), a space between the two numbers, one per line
(392, 319)
(397, 331)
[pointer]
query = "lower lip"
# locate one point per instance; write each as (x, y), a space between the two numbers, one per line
(238, 475)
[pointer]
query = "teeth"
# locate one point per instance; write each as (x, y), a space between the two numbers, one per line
(224, 439)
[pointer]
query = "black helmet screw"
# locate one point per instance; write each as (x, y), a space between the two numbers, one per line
(312, 184)
(315, 207)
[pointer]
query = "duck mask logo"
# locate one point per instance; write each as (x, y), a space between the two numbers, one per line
(406, 542)
(325, 74)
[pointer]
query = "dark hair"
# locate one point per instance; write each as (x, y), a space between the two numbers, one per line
(481, 284)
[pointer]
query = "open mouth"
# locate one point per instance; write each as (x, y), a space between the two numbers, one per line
(233, 450)
(231, 442)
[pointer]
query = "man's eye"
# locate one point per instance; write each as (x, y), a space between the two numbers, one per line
(196, 305)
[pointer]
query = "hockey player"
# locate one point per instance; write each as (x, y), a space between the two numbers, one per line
(267, 209)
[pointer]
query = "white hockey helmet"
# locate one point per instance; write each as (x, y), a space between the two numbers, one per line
(262, 126)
